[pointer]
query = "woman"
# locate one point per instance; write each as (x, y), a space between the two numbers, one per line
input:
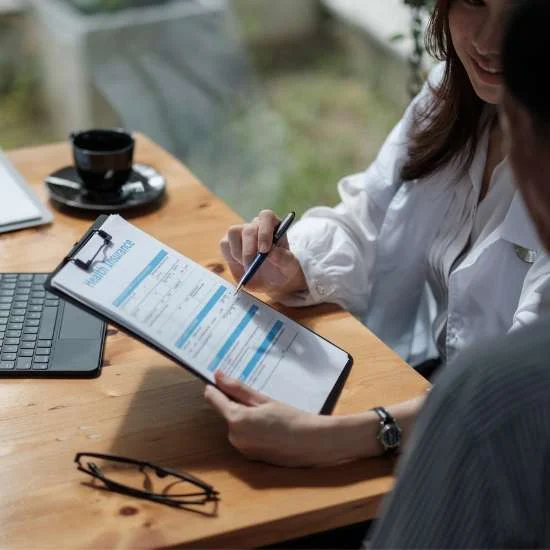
(432, 246)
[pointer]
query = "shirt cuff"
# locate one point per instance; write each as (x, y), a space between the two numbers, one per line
(320, 288)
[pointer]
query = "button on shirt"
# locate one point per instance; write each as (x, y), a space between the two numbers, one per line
(388, 252)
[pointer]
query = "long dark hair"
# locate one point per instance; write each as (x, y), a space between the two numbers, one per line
(447, 129)
(525, 48)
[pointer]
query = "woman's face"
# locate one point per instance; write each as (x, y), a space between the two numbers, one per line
(477, 28)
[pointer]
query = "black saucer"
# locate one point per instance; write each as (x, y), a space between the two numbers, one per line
(144, 189)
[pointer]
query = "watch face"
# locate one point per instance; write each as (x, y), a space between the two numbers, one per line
(390, 436)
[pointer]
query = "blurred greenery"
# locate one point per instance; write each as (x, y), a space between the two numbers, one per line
(335, 122)
(23, 120)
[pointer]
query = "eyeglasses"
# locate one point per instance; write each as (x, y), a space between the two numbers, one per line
(132, 477)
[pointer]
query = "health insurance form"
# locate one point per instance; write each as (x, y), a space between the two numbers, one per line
(195, 316)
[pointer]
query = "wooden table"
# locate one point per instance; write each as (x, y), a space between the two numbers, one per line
(144, 406)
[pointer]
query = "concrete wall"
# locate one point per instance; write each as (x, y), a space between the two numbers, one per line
(367, 28)
(13, 40)
(11, 6)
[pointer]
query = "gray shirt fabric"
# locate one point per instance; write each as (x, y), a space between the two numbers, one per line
(477, 471)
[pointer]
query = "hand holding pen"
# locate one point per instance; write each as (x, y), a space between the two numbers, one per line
(278, 233)
(258, 254)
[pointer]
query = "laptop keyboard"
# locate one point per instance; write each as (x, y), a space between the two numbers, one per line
(28, 316)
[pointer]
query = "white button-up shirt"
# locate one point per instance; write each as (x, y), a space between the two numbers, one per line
(420, 261)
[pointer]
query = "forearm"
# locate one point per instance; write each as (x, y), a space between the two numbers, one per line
(355, 436)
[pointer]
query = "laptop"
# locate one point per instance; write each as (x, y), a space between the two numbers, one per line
(42, 335)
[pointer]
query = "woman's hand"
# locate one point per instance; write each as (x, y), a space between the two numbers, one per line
(280, 274)
(266, 430)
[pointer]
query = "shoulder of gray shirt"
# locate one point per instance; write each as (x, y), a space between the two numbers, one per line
(496, 380)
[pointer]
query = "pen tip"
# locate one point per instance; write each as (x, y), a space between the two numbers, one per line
(237, 289)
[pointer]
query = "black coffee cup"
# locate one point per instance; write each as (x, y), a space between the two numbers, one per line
(103, 159)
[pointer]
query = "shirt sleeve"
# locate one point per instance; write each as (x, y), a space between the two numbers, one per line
(442, 498)
(336, 246)
(476, 472)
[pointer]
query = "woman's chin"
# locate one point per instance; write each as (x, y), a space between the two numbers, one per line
(488, 94)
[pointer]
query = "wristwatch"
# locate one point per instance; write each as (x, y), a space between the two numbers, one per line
(389, 434)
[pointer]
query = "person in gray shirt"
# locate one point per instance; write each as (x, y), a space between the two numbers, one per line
(477, 471)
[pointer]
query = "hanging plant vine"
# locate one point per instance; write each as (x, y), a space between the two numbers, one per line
(418, 8)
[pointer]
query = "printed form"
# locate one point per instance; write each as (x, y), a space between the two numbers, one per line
(195, 316)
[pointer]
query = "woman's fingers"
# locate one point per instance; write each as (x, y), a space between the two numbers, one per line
(267, 223)
(236, 268)
(245, 241)
(234, 239)
(250, 243)
(242, 243)
(219, 401)
(238, 391)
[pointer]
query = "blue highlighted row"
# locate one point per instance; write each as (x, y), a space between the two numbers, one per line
(200, 317)
(140, 278)
(224, 350)
(261, 351)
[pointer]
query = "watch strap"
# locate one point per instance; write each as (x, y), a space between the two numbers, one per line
(384, 415)
(387, 422)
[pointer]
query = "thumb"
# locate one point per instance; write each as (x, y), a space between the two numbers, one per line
(239, 391)
(218, 400)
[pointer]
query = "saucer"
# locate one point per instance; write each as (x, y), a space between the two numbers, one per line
(144, 188)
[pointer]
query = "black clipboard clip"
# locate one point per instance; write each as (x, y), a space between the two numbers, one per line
(85, 265)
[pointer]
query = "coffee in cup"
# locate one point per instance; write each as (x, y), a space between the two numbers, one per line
(103, 159)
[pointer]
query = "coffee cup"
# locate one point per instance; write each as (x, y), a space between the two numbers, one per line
(103, 159)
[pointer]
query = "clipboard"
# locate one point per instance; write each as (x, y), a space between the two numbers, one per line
(98, 230)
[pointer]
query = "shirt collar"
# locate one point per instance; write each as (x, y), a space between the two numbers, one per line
(518, 227)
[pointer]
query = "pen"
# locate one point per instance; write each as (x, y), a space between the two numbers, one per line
(280, 229)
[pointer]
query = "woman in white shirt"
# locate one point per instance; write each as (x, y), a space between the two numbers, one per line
(431, 247)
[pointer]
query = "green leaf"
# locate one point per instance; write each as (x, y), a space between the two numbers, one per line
(397, 37)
